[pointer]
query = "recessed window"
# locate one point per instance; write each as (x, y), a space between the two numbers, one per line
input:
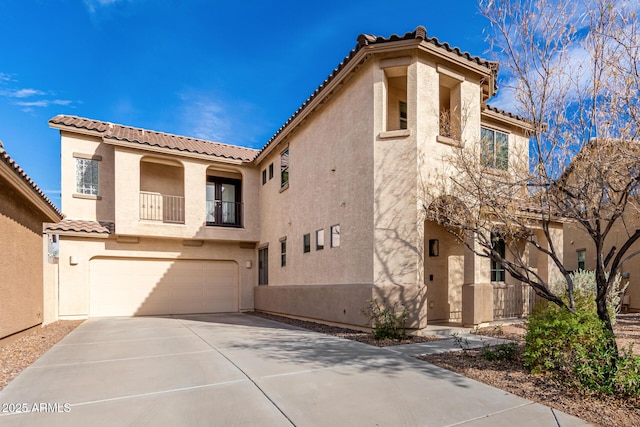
(450, 103)
(224, 204)
(403, 115)
(87, 177)
(495, 149)
(284, 168)
(319, 240)
(582, 256)
(283, 252)
(498, 273)
(306, 242)
(335, 236)
(263, 266)
(270, 171)
(434, 247)
(264, 177)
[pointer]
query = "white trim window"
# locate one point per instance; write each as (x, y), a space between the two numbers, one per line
(87, 176)
(335, 236)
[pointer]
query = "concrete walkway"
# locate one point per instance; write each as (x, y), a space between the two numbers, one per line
(228, 370)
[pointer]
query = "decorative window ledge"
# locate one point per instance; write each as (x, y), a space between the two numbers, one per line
(87, 196)
(448, 141)
(401, 133)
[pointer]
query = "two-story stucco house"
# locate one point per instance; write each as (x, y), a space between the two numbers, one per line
(326, 216)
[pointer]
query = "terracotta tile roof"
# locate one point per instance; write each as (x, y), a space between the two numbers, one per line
(156, 139)
(80, 226)
(23, 175)
(508, 114)
(420, 33)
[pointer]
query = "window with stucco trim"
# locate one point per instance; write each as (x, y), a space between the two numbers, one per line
(306, 243)
(319, 240)
(284, 168)
(283, 252)
(335, 236)
(87, 181)
(498, 273)
(582, 257)
(495, 149)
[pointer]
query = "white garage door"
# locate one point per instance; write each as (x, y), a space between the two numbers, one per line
(130, 286)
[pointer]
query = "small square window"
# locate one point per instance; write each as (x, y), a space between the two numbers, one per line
(264, 177)
(270, 171)
(307, 243)
(335, 236)
(319, 240)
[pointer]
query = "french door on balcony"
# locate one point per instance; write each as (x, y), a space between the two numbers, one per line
(224, 204)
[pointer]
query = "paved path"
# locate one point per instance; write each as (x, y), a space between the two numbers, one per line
(231, 370)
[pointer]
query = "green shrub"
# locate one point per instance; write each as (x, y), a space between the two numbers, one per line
(387, 322)
(584, 286)
(500, 352)
(574, 347)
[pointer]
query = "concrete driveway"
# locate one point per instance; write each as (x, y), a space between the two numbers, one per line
(235, 369)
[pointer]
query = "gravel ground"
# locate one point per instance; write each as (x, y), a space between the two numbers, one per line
(18, 355)
(511, 376)
(365, 337)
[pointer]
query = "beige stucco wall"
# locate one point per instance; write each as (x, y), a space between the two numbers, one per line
(21, 264)
(128, 175)
(575, 239)
(330, 182)
(76, 206)
(74, 286)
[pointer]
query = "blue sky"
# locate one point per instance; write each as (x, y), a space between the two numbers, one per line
(228, 71)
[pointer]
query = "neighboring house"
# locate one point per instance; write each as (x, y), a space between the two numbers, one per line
(326, 216)
(23, 210)
(580, 253)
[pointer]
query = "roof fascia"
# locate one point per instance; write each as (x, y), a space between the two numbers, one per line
(27, 191)
(79, 234)
(74, 129)
(492, 115)
(455, 58)
(173, 152)
(354, 63)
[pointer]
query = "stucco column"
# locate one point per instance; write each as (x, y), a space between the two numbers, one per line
(477, 291)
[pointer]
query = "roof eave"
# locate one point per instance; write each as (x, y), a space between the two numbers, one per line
(494, 115)
(74, 129)
(27, 191)
(174, 152)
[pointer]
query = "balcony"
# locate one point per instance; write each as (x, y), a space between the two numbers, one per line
(224, 214)
(161, 207)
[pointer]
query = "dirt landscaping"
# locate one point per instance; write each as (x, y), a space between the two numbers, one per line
(16, 356)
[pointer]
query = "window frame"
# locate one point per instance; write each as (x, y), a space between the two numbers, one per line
(264, 177)
(494, 157)
(402, 114)
(83, 187)
(320, 239)
(270, 171)
(263, 266)
(335, 231)
(284, 168)
(217, 183)
(582, 253)
(306, 243)
(283, 252)
(498, 272)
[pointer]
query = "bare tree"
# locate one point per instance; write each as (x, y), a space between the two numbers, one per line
(572, 73)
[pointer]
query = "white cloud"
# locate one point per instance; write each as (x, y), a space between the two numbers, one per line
(21, 93)
(93, 5)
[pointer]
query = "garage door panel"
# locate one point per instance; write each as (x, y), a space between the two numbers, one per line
(131, 286)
